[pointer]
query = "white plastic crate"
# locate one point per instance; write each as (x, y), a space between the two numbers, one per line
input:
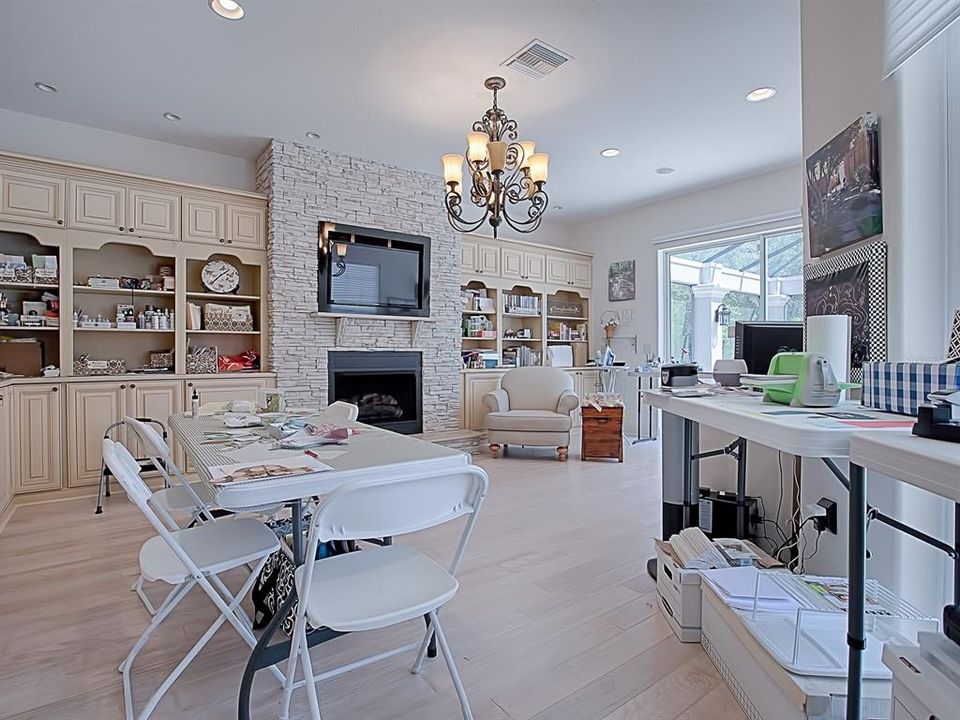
(679, 591)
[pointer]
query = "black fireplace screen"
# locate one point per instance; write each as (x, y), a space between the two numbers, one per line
(386, 386)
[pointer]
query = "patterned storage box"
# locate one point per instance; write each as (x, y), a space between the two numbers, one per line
(202, 361)
(161, 358)
(228, 318)
(17, 275)
(42, 276)
(86, 366)
(902, 387)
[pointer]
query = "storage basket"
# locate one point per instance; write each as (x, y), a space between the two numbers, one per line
(228, 318)
(86, 366)
(202, 361)
(161, 358)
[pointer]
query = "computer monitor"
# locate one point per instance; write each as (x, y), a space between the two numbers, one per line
(758, 342)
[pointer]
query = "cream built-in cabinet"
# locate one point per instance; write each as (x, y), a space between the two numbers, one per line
(519, 264)
(6, 448)
(97, 205)
(479, 257)
(32, 197)
(212, 222)
(214, 390)
(569, 270)
(153, 214)
(581, 273)
(37, 437)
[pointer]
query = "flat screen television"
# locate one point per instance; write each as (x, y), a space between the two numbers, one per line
(383, 273)
(758, 342)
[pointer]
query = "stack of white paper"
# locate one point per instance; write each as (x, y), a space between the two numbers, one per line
(737, 587)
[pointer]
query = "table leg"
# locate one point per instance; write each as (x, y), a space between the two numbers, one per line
(649, 436)
(956, 559)
(742, 489)
(856, 568)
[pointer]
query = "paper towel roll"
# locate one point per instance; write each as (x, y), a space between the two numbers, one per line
(829, 335)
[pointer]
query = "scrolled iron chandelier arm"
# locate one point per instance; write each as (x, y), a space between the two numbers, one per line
(506, 176)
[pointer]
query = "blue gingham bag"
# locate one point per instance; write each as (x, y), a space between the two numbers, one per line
(904, 386)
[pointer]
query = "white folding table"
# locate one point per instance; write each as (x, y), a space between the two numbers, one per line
(372, 453)
(932, 465)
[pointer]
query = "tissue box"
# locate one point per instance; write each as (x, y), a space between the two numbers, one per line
(904, 386)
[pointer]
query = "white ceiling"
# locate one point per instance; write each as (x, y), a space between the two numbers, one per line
(400, 81)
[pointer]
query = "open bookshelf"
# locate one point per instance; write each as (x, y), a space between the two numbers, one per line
(27, 349)
(523, 331)
(479, 325)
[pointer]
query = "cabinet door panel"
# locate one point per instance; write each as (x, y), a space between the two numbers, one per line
(97, 206)
(534, 266)
(203, 221)
(477, 387)
(225, 390)
(581, 273)
(27, 197)
(157, 400)
(93, 407)
(38, 438)
(245, 226)
(558, 270)
(489, 259)
(511, 263)
(153, 214)
(468, 256)
(6, 448)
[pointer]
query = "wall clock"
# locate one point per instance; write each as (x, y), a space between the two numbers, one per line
(219, 276)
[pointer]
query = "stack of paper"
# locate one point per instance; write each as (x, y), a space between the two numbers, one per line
(285, 467)
(738, 586)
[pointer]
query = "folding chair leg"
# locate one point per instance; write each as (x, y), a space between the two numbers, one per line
(103, 479)
(138, 589)
(221, 586)
(295, 643)
(311, 682)
(421, 653)
(451, 666)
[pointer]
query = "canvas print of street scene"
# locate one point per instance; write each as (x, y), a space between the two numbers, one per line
(622, 281)
(843, 188)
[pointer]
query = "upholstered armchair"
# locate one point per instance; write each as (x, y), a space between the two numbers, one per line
(532, 406)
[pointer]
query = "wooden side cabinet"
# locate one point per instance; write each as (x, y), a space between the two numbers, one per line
(38, 443)
(602, 434)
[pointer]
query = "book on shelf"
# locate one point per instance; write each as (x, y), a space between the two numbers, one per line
(521, 304)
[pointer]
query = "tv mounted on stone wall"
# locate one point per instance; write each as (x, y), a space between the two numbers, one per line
(364, 271)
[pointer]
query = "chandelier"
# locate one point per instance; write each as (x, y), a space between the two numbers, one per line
(506, 176)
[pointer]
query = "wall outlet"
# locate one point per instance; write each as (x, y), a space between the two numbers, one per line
(827, 522)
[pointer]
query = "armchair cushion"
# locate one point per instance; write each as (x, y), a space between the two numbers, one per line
(568, 402)
(497, 401)
(529, 421)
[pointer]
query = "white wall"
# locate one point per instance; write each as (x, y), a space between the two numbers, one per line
(841, 55)
(33, 135)
(630, 235)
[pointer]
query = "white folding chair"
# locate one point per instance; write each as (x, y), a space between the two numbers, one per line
(178, 494)
(375, 588)
(340, 410)
(184, 559)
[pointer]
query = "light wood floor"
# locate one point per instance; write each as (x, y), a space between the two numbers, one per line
(556, 618)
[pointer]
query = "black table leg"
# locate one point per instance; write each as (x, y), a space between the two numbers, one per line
(856, 568)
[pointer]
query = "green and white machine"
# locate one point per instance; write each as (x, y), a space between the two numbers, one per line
(808, 381)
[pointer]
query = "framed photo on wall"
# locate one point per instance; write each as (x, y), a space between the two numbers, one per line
(622, 281)
(844, 203)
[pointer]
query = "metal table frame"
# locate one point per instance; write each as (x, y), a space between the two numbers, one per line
(860, 513)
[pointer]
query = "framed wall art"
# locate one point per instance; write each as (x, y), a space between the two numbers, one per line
(853, 283)
(622, 281)
(844, 203)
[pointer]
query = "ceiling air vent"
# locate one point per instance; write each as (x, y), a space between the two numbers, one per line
(536, 59)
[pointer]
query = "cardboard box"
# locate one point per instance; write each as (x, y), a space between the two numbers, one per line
(23, 357)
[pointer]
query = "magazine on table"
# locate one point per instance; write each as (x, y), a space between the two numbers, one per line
(317, 434)
(263, 470)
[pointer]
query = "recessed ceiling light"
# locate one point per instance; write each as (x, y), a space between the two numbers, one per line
(172, 117)
(761, 93)
(44, 87)
(663, 170)
(558, 207)
(610, 152)
(313, 135)
(229, 9)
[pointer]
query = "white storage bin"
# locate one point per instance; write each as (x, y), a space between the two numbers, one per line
(680, 599)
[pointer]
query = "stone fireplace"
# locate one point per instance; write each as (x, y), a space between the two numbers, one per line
(305, 185)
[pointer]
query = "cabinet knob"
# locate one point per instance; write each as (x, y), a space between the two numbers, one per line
(122, 229)
(130, 229)
(189, 384)
(123, 387)
(229, 242)
(132, 385)
(55, 389)
(59, 222)
(221, 239)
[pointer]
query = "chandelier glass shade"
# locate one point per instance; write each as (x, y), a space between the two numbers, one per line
(506, 176)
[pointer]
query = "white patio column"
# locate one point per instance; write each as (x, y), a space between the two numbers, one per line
(707, 334)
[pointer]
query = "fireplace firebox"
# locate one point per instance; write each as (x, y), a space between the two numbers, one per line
(386, 386)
